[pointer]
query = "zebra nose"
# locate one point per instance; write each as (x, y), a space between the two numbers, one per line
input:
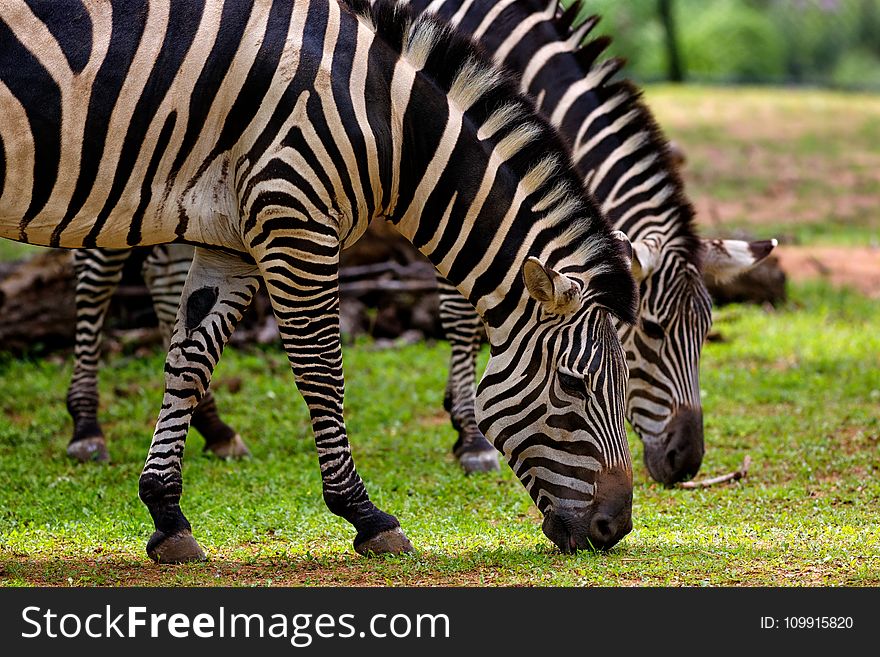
(679, 456)
(607, 529)
(608, 519)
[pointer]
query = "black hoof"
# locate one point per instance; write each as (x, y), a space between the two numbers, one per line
(234, 448)
(86, 450)
(479, 461)
(391, 541)
(177, 548)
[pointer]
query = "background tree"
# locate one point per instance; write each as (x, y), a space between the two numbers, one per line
(673, 53)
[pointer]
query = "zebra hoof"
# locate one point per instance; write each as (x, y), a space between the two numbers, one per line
(234, 448)
(86, 450)
(479, 462)
(177, 548)
(391, 541)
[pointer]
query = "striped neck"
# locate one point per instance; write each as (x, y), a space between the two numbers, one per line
(478, 181)
(617, 147)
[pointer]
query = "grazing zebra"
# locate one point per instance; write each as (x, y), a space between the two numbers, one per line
(98, 272)
(623, 158)
(611, 125)
(268, 134)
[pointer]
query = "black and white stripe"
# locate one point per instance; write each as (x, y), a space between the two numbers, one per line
(268, 134)
(623, 158)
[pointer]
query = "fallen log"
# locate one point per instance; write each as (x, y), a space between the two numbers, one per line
(38, 312)
(37, 307)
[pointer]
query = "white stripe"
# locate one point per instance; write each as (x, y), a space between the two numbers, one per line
(357, 89)
(516, 36)
(578, 89)
(401, 89)
(18, 146)
(539, 60)
(491, 15)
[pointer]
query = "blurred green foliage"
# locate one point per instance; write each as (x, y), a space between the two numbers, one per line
(820, 42)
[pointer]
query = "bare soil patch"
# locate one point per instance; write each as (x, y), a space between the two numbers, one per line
(855, 267)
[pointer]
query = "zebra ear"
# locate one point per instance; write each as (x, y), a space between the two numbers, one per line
(726, 259)
(625, 245)
(557, 293)
(644, 260)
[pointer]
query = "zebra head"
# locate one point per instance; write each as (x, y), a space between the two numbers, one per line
(663, 348)
(551, 401)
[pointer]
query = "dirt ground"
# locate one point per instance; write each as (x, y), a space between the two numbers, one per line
(850, 266)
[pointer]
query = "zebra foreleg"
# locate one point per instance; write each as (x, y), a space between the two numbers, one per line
(98, 272)
(305, 298)
(165, 271)
(463, 329)
(217, 292)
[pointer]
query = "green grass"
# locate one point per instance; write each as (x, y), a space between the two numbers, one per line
(797, 164)
(797, 389)
(11, 251)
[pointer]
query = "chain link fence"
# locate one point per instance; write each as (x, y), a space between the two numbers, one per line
(828, 43)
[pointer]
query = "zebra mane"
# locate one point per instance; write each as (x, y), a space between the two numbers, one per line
(526, 141)
(588, 54)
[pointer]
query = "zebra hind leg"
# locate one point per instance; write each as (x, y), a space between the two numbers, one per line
(220, 439)
(218, 290)
(308, 323)
(165, 271)
(98, 272)
(462, 326)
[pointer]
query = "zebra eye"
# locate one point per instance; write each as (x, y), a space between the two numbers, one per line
(653, 330)
(572, 384)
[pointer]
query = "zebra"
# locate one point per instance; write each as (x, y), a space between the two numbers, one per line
(663, 352)
(98, 273)
(623, 157)
(268, 134)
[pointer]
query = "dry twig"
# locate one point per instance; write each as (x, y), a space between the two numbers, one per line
(730, 476)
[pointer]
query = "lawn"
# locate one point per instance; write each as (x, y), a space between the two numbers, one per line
(797, 389)
(801, 165)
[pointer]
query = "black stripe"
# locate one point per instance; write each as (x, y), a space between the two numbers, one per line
(379, 72)
(297, 141)
(253, 91)
(233, 21)
(257, 83)
(315, 115)
(577, 473)
(511, 430)
(342, 65)
(40, 96)
(280, 170)
(134, 231)
(71, 25)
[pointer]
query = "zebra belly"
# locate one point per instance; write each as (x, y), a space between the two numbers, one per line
(201, 210)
